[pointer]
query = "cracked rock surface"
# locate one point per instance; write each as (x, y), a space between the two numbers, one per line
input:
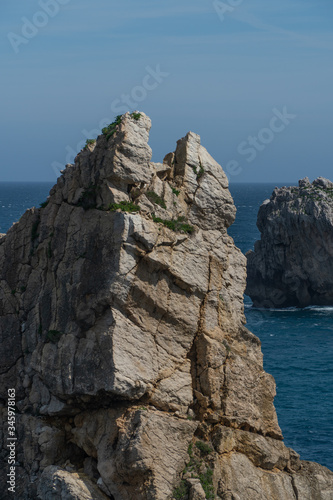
(123, 333)
(292, 264)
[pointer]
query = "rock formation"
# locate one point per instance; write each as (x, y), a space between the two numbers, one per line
(123, 334)
(292, 264)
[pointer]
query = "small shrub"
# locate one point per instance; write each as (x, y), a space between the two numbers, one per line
(53, 336)
(175, 225)
(125, 206)
(111, 129)
(44, 204)
(204, 448)
(13, 292)
(154, 198)
(206, 480)
(175, 191)
(23, 289)
(40, 330)
(87, 199)
(89, 142)
(201, 172)
(136, 116)
(181, 493)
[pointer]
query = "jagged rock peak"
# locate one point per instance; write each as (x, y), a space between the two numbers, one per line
(117, 168)
(292, 264)
(122, 332)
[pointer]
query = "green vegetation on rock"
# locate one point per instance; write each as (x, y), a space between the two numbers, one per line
(197, 469)
(87, 199)
(178, 225)
(204, 448)
(111, 129)
(89, 142)
(154, 198)
(125, 206)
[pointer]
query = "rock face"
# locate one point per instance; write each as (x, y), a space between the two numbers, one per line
(122, 332)
(292, 264)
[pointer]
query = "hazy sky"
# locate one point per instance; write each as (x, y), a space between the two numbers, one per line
(253, 77)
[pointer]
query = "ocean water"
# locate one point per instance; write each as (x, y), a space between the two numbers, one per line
(297, 346)
(297, 343)
(17, 197)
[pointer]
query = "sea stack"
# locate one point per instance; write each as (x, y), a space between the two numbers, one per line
(123, 334)
(292, 264)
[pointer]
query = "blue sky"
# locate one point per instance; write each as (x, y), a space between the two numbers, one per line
(224, 75)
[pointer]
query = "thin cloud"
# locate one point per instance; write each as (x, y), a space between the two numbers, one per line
(245, 17)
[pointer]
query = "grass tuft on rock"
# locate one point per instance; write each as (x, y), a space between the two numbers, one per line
(125, 206)
(178, 225)
(154, 198)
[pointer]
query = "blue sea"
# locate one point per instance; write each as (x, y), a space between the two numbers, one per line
(297, 343)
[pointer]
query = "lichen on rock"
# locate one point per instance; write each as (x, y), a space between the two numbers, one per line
(125, 338)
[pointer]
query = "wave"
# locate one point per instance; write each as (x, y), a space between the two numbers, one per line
(290, 309)
(319, 308)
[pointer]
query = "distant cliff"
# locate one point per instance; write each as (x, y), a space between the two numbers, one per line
(292, 264)
(122, 333)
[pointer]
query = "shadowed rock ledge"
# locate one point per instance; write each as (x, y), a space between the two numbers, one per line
(292, 264)
(122, 331)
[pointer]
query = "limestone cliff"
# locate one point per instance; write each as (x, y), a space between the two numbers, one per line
(122, 331)
(292, 264)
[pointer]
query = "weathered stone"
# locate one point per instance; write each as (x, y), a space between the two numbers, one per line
(292, 264)
(240, 479)
(196, 490)
(59, 484)
(122, 331)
